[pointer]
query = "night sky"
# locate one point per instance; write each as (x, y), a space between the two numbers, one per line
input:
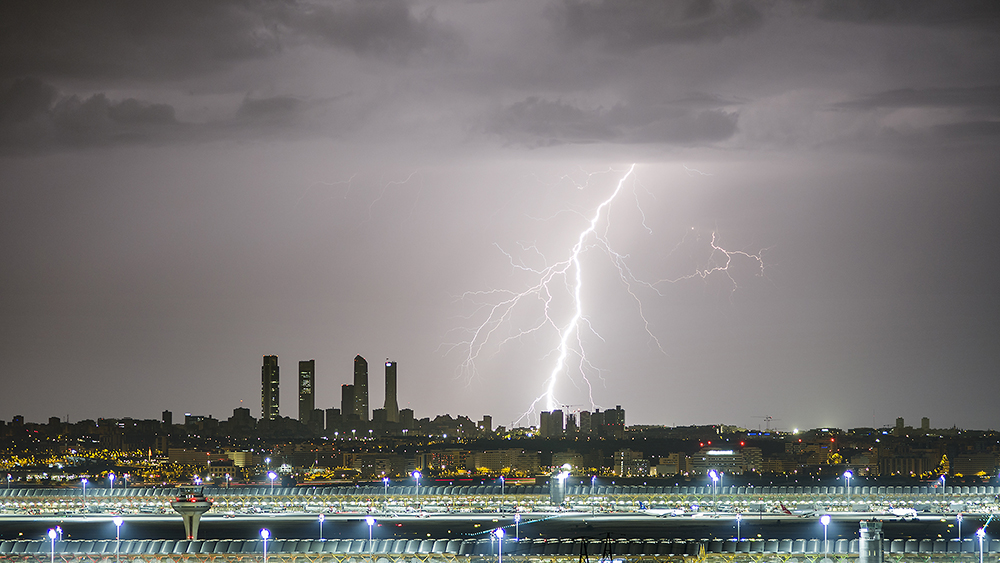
(188, 186)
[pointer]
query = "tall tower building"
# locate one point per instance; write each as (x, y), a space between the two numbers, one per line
(269, 388)
(307, 389)
(391, 407)
(347, 403)
(361, 387)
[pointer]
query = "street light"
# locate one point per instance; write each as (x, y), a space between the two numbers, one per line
(715, 489)
(848, 475)
(981, 533)
(825, 520)
(499, 534)
(229, 479)
(959, 518)
(593, 481)
(416, 477)
(272, 476)
(111, 478)
(371, 550)
(321, 518)
(118, 537)
(59, 531)
(84, 481)
(739, 518)
(264, 534)
(52, 551)
(517, 532)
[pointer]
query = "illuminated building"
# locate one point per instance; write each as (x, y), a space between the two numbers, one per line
(269, 388)
(307, 384)
(391, 407)
(361, 387)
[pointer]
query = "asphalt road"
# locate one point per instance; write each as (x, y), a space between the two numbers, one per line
(460, 526)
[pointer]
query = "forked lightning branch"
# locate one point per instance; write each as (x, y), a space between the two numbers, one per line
(499, 310)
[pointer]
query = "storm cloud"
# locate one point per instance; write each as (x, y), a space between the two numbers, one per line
(187, 186)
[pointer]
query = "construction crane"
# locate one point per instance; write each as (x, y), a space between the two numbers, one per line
(767, 422)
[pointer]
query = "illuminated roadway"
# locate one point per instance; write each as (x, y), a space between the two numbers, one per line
(474, 526)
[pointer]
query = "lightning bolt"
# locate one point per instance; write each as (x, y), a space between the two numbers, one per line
(500, 306)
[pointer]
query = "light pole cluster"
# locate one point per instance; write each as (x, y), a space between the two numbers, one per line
(264, 534)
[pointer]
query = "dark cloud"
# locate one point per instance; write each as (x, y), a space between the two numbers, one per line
(166, 40)
(536, 121)
(635, 24)
(962, 13)
(983, 96)
(386, 28)
(278, 107)
(969, 130)
(139, 39)
(33, 116)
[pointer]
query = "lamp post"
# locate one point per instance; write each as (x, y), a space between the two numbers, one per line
(715, 489)
(739, 518)
(501, 485)
(825, 520)
(229, 479)
(959, 518)
(52, 550)
(981, 533)
(272, 476)
(371, 549)
(118, 537)
(499, 534)
(847, 476)
(385, 481)
(416, 478)
(264, 534)
(59, 531)
(84, 481)
(517, 532)
(111, 478)
(321, 518)
(9, 477)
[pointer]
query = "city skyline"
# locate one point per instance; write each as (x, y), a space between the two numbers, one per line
(705, 210)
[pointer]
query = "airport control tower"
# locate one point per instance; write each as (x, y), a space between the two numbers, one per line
(191, 504)
(870, 546)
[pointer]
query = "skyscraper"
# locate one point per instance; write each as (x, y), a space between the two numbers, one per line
(269, 388)
(347, 403)
(360, 387)
(391, 408)
(307, 383)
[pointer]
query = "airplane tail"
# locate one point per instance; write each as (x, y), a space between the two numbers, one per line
(784, 509)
